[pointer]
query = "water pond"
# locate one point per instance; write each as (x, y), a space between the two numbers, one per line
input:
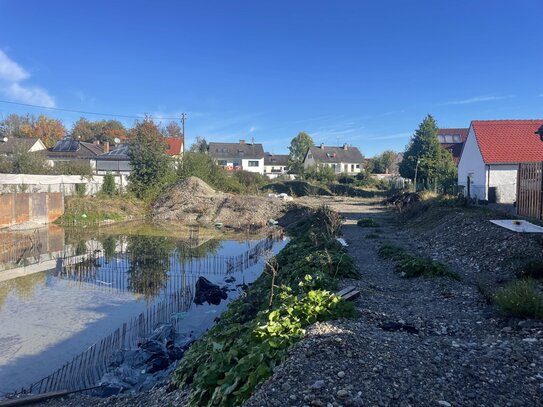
(61, 294)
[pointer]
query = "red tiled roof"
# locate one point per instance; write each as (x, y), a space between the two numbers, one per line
(509, 141)
(174, 145)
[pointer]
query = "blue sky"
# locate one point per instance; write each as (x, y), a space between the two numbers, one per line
(361, 72)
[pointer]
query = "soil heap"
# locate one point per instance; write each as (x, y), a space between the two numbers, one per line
(192, 201)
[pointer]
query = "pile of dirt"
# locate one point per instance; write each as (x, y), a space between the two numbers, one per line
(296, 188)
(192, 201)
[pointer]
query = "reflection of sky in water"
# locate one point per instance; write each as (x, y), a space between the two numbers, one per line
(47, 318)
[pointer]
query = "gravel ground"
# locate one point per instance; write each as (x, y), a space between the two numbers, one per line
(455, 350)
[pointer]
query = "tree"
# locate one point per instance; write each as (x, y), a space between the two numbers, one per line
(298, 149)
(45, 128)
(199, 146)
(172, 130)
(25, 162)
(102, 130)
(434, 162)
(320, 173)
(15, 125)
(151, 167)
(385, 163)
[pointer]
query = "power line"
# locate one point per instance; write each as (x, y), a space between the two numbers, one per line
(85, 112)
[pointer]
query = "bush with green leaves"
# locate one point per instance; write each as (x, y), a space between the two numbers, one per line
(108, 185)
(253, 336)
(521, 299)
(81, 189)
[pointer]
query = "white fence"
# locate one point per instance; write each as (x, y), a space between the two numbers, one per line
(66, 184)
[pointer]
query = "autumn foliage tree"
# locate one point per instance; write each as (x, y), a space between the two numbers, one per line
(48, 130)
(101, 130)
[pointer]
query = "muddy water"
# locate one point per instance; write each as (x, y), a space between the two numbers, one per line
(75, 294)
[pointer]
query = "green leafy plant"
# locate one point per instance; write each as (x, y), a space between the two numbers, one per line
(419, 266)
(367, 223)
(392, 252)
(254, 334)
(108, 186)
(520, 298)
(81, 189)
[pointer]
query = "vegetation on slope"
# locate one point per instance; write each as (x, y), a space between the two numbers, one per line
(254, 334)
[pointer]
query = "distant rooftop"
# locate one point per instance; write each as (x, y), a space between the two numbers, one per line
(276, 159)
(236, 150)
(344, 154)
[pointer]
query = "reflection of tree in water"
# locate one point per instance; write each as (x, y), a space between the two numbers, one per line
(149, 264)
(109, 243)
(208, 248)
(23, 287)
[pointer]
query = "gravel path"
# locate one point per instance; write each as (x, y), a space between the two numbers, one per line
(454, 350)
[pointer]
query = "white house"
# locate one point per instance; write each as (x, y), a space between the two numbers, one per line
(275, 165)
(493, 149)
(345, 159)
(238, 156)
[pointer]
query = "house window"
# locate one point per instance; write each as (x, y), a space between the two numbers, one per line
(310, 155)
(222, 162)
(253, 163)
(352, 167)
(357, 166)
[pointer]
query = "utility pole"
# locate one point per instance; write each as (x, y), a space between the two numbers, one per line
(183, 118)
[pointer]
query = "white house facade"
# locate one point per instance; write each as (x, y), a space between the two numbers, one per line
(238, 156)
(488, 165)
(275, 165)
(345, 159)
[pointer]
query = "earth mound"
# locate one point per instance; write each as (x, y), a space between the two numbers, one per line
(192, 201)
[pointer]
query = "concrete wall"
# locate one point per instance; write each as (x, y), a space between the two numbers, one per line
(504, 178)
(44, 207)
(471, 162)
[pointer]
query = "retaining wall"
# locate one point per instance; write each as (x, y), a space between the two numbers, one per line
(41, 207)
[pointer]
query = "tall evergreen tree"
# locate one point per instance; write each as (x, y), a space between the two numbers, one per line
(434, 162)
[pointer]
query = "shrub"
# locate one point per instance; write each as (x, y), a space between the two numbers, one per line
(320, 173)
(520, 299)
(345, 179)
(392, 252)
(419, 266)
(367, 223)
(531, 269)
(108, 186)
(81, 189)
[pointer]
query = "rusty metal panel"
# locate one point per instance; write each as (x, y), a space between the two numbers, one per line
(38, 207)
(22, 208)
(6, 209)
(55, 240)
(55, 206)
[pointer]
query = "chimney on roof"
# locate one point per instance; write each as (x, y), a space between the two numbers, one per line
(242, 142)
(106, 146)
(345, 146)
(322, 145)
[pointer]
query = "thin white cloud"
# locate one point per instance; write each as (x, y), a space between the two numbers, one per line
(389, 137)
(477, 99)
(253, 129)
(11, 76)
(31, 95)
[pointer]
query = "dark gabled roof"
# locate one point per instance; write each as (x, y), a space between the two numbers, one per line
(276, 159)
(325, 154)
(118, 154)
(235, 150)
(14, 145)
(69, 147)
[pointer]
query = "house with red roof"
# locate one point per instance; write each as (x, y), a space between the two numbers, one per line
(174, 146)
(492, 152)
(453, 141)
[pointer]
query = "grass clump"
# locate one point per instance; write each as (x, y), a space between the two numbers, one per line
(531, 269)
(520, 298)
(253, 336)
(367, 223)
(411, 266)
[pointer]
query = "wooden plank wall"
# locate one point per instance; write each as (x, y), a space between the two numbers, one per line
(530, 190)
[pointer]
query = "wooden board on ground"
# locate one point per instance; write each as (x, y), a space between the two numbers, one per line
(349, 293)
